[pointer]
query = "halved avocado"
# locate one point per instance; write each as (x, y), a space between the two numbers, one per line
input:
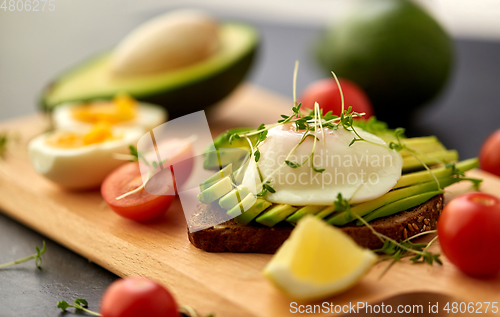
(181, 91)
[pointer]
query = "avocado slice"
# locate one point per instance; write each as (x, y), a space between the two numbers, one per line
(392, 196)
(425, 144)
(412, 163)
(398, 206)
(246, 203)
(302, 212)
(216, 191)
(181, 91)
(325, 212)
(424, 176)
(214, 160)
(258, 207)
(226, 171)
(275, 215)
(234, 197)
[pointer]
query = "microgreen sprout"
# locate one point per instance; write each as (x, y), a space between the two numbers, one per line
(137, 155)
(476, 182)
(316, 119)
(37, 257)
(342, 204)
(346, 119)
(79, 304)
(392, 249)
(285, 118)
(235, 136)
(266, 187)
(287, 162)
(6, 139)
(134, 153)
(304, 137)
(153, 166)
(341, 93)
(261, 137)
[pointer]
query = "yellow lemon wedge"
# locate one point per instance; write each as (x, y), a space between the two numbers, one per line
(318, 261)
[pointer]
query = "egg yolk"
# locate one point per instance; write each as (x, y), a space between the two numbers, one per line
(121, 108)
(101, 132)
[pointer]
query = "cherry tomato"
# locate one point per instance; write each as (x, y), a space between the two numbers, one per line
(469, 232)
(489, 157)
(142, 205)
(137, 297)
(326, 93)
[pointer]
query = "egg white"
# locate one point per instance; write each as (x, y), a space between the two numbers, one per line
(84, 167)
(149, 116)
(303, 186)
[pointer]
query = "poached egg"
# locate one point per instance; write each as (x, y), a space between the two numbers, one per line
(360, 172)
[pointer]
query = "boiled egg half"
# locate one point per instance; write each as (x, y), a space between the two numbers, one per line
(77, 159)
(123, 111)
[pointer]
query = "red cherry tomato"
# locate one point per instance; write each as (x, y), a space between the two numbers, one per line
(137, 297)
(326, 93)
(469, 232)
(489, 157)
(142, 205)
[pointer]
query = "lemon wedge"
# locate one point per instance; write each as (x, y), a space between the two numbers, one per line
(318, 261)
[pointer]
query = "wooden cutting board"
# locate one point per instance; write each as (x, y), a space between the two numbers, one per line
(222, 283)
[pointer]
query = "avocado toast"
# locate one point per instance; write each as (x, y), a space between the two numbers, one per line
(413, 206)
(253, 202)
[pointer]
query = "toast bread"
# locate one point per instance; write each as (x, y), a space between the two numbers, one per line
(230, 236)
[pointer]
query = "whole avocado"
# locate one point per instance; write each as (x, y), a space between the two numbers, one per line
(394, 50)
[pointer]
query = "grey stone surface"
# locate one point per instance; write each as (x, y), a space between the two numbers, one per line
(26, 291)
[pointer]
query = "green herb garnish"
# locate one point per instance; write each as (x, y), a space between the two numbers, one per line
(392, 249)
(79, 304)
(4, 140)
(153, 165)
(476, 182)
(37, 257)
(266, 187)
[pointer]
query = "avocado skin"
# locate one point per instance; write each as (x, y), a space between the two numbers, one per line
(198, 95)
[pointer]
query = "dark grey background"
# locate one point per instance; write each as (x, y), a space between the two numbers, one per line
(463, 116)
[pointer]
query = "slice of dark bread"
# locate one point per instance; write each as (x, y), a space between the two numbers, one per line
(231, 236)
